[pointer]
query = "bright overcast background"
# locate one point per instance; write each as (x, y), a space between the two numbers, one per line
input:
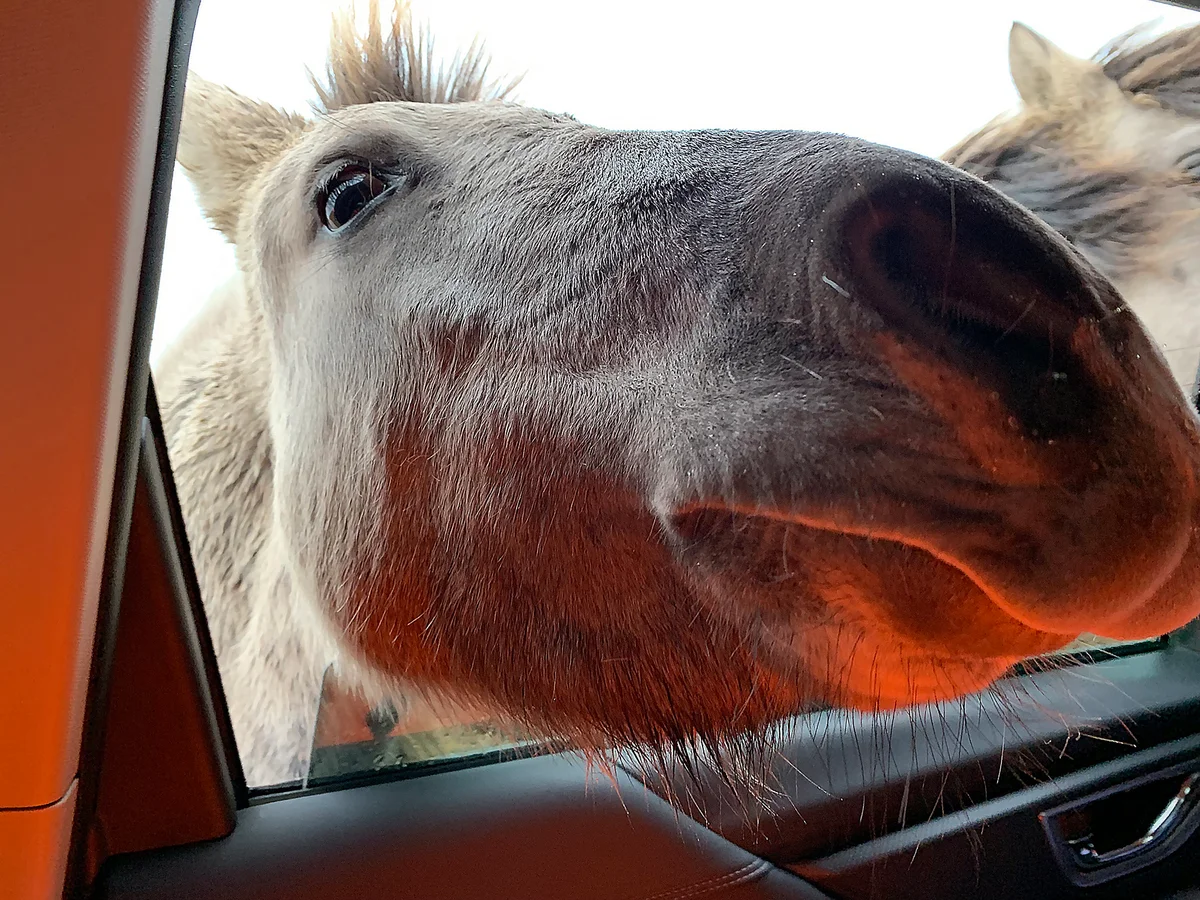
(919, 74)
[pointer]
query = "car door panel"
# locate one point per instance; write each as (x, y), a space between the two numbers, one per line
(522, 829)
(1000, 848)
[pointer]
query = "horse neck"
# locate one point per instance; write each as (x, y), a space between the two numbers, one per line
(212, 390)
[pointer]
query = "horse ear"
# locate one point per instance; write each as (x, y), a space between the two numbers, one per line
(225, 141)
(1046, 75)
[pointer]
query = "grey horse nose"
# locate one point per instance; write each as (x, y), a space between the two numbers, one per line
(969, 275)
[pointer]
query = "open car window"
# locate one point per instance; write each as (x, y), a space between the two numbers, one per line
(932, 78)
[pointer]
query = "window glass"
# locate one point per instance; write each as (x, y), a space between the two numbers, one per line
(922, 76)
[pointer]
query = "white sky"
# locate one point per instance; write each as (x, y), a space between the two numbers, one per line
(919, 74)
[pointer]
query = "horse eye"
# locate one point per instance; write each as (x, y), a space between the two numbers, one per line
(347, 194)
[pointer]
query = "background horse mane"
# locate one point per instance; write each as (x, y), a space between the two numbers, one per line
(1165, 69)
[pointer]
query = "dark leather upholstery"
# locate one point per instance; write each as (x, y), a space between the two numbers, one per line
(524, 829)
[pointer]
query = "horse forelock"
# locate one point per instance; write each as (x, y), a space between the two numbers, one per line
(396, 63)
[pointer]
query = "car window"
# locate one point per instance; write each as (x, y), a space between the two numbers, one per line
(934, 77)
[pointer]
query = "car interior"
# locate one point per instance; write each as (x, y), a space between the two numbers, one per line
(1075, 779)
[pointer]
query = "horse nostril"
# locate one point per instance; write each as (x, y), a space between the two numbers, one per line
(967, 275)
(895, 253)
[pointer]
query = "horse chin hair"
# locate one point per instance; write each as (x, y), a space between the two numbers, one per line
(683, 769)
(748, 779)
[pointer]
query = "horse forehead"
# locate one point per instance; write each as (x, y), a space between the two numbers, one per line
(445, 126)
(685, 204)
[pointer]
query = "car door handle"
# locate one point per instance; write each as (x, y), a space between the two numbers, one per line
(1163, 826)
(1126, 827)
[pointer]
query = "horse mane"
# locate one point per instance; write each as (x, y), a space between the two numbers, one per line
(397, 64)
(1165, 69)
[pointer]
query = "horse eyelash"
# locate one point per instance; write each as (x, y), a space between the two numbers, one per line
(321, 184)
